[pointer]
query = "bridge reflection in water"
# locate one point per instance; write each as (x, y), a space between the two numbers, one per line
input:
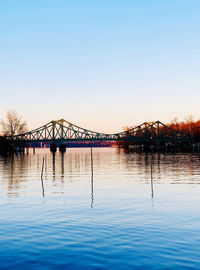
(73, 168)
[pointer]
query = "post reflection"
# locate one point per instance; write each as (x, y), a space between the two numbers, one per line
(92, 191)
(42, 186)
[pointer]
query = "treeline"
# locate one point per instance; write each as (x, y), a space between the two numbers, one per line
(188, 127)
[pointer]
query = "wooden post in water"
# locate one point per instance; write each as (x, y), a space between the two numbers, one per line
(92, 190)
(42, 176)
(151, 178)
(42, 167)
(91, 162)
(54, 167)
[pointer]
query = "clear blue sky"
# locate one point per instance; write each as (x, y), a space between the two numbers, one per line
(100, 64)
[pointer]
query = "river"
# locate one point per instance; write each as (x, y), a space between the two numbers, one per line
(127, 211)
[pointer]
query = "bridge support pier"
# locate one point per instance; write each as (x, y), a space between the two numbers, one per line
(11, 148)
(146, 147)
(22, 149)
(62, 148)
(166, 147)
(53, 148)
(140, 147)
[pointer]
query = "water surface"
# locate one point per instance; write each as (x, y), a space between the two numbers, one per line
(118, 219)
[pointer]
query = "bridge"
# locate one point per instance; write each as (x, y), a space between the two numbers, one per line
(61, 131)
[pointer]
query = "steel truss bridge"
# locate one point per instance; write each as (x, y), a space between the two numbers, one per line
(60, 131)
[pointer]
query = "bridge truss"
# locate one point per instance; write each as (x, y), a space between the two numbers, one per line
(63, 131)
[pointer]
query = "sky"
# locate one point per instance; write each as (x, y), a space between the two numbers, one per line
(101, 65)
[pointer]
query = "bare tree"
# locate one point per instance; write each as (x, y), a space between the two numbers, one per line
(13, 124)
(189, 119)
